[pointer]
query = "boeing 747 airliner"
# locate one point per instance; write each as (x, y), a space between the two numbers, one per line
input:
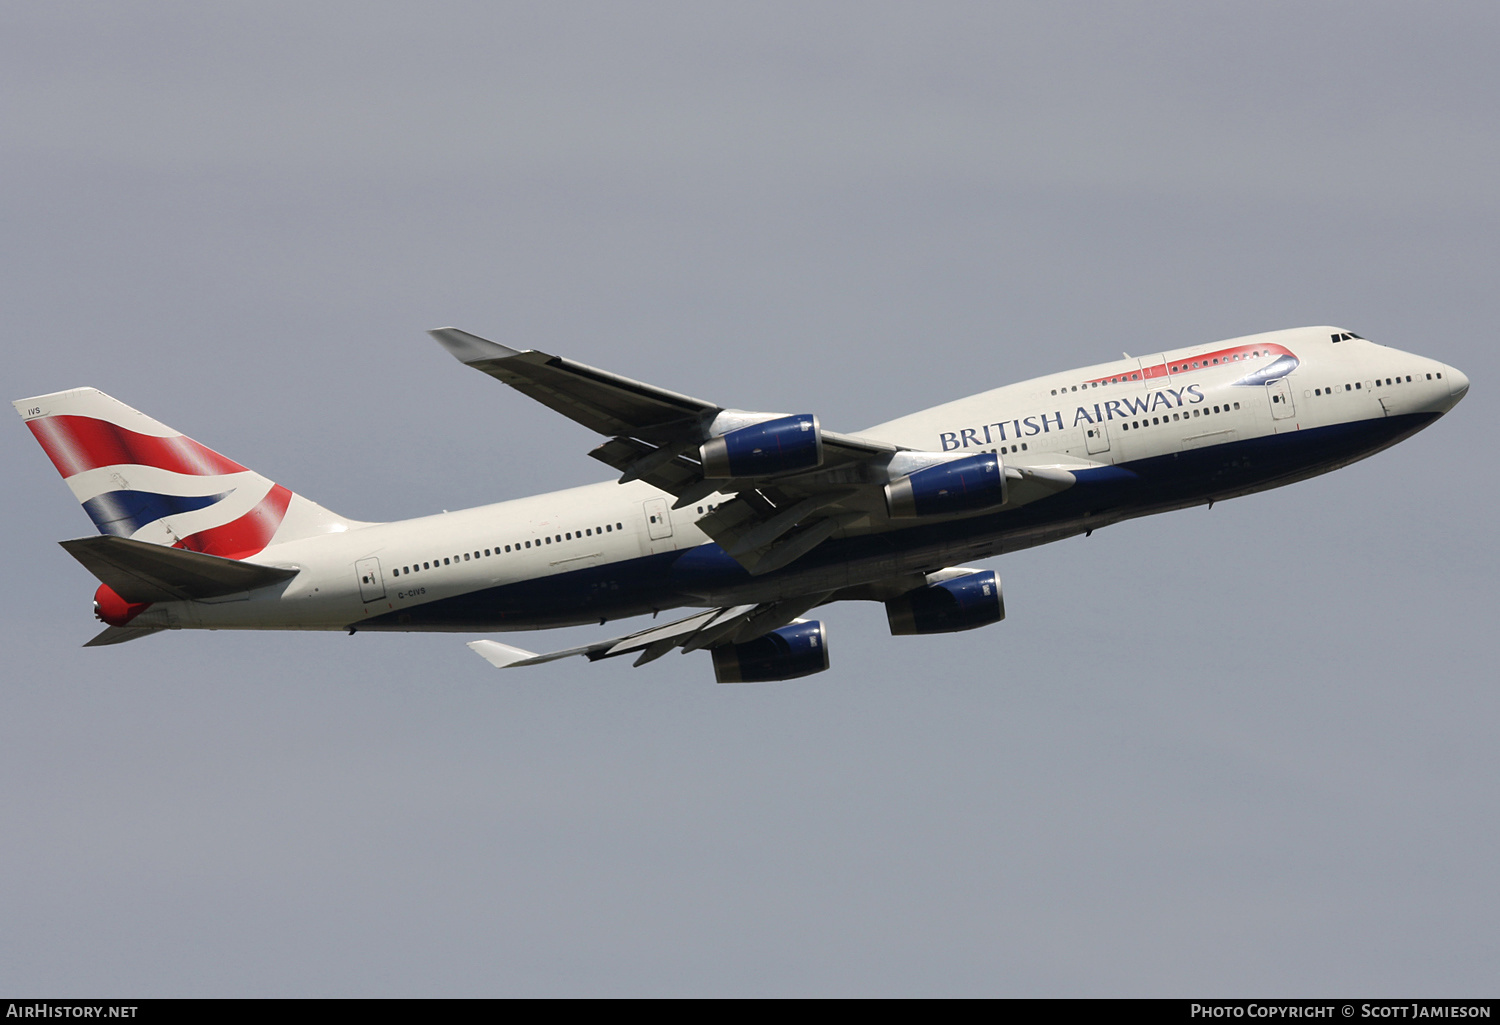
(750, 519)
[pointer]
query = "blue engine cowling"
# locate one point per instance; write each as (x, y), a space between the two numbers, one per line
(949, 606)
(784, 445)
(971, 484)
(800, 649)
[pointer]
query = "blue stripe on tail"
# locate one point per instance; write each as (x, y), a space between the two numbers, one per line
(124, 512)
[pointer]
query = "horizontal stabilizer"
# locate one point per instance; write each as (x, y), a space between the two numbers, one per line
(120, 634)
(138, 571)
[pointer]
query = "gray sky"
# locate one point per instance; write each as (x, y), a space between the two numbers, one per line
(1246, 751)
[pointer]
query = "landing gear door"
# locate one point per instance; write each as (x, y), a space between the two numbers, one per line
(371, 585)
(1279, 394)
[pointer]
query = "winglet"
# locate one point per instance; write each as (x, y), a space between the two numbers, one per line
(500, 655)
(467, 348)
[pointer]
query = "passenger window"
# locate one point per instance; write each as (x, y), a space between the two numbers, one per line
(466, 556)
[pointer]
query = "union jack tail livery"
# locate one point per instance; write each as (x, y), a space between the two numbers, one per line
(137, 478)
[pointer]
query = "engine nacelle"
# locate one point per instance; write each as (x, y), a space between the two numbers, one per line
(799, 649)
(968, 485)
(787, 444)
(962, 603)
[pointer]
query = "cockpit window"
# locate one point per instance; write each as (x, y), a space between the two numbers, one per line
(1344, 336)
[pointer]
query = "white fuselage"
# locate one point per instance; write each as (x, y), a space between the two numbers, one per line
(1185, 424)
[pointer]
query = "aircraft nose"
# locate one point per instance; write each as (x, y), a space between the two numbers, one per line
(1458, 384)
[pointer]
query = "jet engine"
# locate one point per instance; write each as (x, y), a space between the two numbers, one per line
(799, 649)
(967, 485)
(787, 444)
(948, 606)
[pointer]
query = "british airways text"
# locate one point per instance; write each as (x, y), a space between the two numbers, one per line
(1044, 423)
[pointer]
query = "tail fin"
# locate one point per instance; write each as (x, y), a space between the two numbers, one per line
(140, 479)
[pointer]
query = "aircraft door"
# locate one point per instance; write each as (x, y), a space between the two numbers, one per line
(1097, 436)
(371, 584)
(658, 519)
(1154, 371)
(1279, 394)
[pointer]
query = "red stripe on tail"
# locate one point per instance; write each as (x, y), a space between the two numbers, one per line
(78, 443)
(242, 538)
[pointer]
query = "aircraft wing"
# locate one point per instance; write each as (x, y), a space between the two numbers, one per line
(601, 401)
(655, 436)
(736, 624)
